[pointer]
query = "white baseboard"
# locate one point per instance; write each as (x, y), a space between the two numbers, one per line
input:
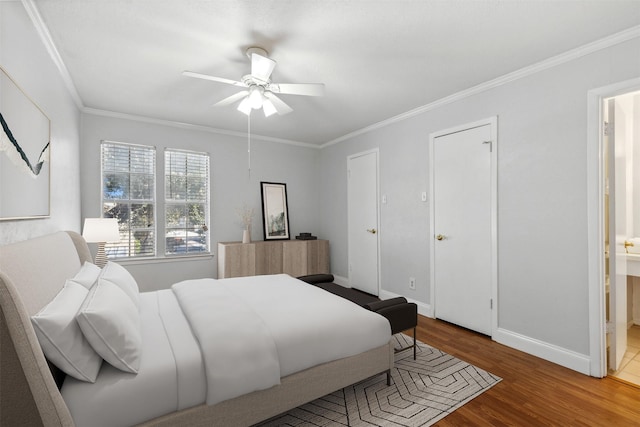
(342, 281)
(552, 353)
(423, 308)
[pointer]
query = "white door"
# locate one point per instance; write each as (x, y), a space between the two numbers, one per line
(362, 175)
(462, 224)
(616, 145)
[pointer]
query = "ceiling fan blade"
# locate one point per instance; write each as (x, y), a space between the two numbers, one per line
(281, 107)
(231, 99)
(261, 67)
(308, 89)
(213, 78)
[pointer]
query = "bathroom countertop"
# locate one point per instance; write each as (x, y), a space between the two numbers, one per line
(633, 265)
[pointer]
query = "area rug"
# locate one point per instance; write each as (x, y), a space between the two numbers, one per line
(422, 392)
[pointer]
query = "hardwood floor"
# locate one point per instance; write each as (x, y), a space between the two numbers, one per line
(533, 392)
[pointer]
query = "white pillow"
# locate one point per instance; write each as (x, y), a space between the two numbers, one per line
(119, 276)
(61, 338)
(87, 275)
(110, 321)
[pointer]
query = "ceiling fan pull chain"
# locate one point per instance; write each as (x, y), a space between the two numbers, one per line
(249, 144)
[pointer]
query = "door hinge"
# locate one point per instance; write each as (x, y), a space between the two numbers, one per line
(348, 173)
(606, 129)
(490, 145)
(491, 303)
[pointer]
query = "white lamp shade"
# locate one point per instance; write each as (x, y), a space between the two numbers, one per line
(256, 97)
(245, 106)
(101, 230)
(268, 108)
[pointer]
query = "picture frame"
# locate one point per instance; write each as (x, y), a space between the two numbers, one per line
(275, 211)
(25, 136)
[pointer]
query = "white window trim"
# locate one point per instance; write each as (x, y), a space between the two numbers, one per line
(161, 246)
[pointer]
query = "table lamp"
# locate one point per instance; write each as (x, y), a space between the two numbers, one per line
(101, 231)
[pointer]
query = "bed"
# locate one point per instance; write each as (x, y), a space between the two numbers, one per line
(32, 273)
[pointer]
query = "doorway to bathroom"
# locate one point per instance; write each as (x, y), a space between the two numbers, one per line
(613, 227)
(621, 150)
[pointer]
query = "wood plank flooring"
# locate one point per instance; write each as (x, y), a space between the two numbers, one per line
(533, 392)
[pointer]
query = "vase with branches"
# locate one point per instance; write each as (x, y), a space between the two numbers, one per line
(246, 217)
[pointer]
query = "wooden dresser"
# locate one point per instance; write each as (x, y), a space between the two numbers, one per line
(294, 257)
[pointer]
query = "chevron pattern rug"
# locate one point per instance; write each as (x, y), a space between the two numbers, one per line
(422, 392)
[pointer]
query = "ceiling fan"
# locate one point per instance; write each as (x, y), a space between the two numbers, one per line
(260, 91)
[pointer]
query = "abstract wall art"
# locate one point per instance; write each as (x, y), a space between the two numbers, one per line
(24, 154)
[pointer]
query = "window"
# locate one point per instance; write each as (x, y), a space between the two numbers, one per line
(186, 190)
(128, 194)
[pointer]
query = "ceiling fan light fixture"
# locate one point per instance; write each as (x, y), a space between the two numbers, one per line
(256, 97)
(245, 106)
(268, 108)
(259, 91)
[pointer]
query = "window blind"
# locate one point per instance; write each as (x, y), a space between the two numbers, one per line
(128, 194)
(186, 188)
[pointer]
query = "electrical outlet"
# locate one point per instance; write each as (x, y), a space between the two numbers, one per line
(412, 283)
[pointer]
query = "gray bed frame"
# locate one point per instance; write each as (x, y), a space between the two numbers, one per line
(33, 272)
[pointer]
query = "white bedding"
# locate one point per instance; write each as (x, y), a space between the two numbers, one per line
(240, 355)
(171, 375)
(301, 326)
(309, 325)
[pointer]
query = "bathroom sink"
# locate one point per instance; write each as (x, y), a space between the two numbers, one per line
(633, 265)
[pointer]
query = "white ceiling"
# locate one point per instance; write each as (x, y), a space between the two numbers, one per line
(378, 59)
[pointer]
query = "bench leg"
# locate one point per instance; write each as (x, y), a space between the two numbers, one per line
(389, 377)
(414, 343)
(415, 346)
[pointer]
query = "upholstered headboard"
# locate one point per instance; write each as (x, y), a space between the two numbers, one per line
(31, 274)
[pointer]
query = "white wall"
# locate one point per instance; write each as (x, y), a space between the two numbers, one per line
(231, 188)
(542, 197)
(25, 58)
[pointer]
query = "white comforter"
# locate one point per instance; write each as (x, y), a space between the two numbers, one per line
(212, 340)
(240, 355)
(254, 330)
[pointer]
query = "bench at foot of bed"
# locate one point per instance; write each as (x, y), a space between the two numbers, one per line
(401, 314)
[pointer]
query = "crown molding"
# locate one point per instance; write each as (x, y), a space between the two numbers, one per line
(45, 36)
(612, 40)
(190, 126)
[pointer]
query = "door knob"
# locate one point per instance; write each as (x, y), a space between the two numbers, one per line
(371, 230)
(627, 244)
(439, 237)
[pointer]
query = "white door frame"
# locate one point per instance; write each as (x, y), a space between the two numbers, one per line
(493, 122)
(349, 158)
(595, 221)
